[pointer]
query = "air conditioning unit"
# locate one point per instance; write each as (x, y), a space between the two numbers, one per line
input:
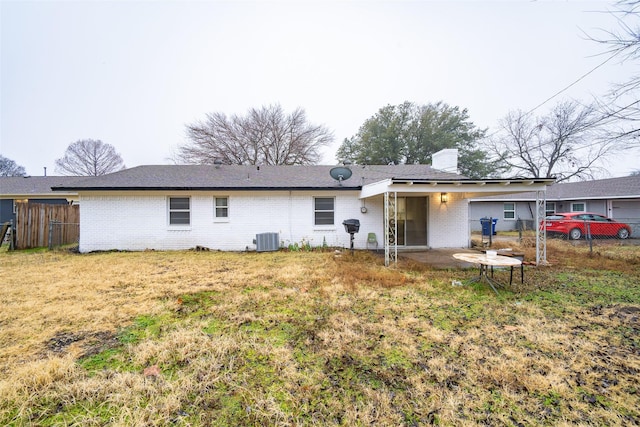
(266, 242)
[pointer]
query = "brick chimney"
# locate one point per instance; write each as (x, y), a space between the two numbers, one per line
(445, 160)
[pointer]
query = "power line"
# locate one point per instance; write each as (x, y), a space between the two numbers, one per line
(563, 89)
(572, 84)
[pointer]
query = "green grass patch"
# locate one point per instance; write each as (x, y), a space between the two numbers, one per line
(107, 359)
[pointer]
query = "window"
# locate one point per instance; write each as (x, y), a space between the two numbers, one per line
(550, 209)
(577, 207)
(323, 210)
(509, 211)
(556, 217)
(221, 208)
(179, 212)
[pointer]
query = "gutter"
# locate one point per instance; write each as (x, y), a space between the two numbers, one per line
(75, 189)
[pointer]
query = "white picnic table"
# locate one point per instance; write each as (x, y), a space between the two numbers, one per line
(485, 261)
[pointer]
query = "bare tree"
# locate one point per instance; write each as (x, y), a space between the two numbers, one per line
(89, 157)
(565, 144)
(9, 167)
(264, 136)
(621, 105)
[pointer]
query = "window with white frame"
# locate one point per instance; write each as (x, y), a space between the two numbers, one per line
(179, 211)
(509, 211)
(550, 208)
(578, 207)
(323, 210)
(221, 208)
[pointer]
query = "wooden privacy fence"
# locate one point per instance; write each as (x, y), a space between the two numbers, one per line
(35, 220)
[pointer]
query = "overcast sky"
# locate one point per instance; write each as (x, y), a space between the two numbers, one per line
(132, 74)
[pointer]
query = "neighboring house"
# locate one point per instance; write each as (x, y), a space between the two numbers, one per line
(226, 207)
(32, 189)
(617, 198)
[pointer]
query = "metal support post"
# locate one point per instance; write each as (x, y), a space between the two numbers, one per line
(541, 227)
(390, 228)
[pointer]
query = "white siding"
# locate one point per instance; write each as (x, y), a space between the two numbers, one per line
(626, 210)
(495, 209)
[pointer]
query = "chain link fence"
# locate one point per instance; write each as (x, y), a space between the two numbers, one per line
(599, 233)
(594, 232)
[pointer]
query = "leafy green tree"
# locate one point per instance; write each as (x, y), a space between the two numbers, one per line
(410, 133)
(9, 167)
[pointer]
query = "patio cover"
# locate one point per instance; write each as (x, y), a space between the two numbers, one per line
(389, 189)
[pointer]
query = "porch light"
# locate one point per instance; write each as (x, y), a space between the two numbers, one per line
(444, 197)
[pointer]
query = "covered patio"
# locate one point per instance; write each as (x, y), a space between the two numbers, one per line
(446, 209)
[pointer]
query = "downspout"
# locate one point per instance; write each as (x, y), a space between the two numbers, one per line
(290, 216)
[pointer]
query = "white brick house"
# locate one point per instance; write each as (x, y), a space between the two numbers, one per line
(225, 207)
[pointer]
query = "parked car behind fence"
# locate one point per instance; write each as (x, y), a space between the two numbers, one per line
(576, 225)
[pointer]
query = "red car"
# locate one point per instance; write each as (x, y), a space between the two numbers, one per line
(574, 225)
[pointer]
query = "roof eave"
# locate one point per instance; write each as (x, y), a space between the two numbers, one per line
(197, 188)
(455, 186)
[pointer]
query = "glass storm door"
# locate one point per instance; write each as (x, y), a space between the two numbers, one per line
(416, 221)
(412, 221)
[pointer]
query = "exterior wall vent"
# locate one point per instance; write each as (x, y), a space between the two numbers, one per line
(266, 242)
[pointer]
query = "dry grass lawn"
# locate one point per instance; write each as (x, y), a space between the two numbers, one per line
(308, 338)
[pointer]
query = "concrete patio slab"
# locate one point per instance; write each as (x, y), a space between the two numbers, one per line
(438, 258)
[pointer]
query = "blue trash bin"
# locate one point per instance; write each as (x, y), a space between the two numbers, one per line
(488, 226)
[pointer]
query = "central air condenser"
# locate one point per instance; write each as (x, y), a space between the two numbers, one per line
(266, 242)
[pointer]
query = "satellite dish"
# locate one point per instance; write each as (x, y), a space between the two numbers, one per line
(340, 173)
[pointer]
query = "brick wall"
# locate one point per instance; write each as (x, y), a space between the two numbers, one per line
(448, 222)
(139, 221)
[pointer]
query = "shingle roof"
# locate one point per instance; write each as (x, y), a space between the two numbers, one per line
(207, 177)
(611, 188)
(33, 185)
